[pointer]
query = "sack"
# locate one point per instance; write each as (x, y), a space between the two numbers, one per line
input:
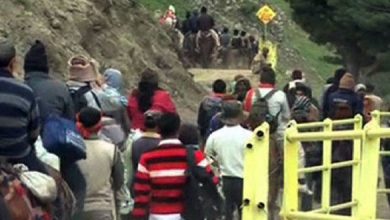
(60, 137)
(260, 111)
(46, 157)
(42, 186)
(342, 111)
(79, 99)
(202, 199)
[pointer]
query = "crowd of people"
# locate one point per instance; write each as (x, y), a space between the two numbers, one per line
(202, 24)
(138, 149)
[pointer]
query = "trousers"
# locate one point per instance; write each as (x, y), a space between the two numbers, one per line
(232, 189)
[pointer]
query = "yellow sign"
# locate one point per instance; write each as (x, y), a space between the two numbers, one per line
(266, 14)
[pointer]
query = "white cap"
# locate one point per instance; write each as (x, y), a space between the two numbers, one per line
(171, 8)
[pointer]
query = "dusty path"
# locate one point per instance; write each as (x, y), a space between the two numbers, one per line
(207, 76)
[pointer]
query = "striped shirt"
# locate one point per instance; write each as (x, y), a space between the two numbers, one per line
(160, 181)
(19, 117)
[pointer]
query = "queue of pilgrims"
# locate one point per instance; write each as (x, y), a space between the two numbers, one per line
(138, 160)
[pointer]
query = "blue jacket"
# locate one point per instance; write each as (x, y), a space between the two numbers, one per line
(345, 96)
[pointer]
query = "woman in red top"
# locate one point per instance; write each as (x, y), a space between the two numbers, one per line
(148, 96)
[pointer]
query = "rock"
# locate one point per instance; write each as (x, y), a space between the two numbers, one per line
(55, 23)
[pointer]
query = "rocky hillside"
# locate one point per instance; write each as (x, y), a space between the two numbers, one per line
(114, 32)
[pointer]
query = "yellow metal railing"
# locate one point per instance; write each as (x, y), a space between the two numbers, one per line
(364, 163)
(293, 139)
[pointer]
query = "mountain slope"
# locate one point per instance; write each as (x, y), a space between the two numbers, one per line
(117, 35)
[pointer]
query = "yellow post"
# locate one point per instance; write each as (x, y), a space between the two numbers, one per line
(327, 172)
(256, 175)
(357, 144)
(369, 171)
(291, 149)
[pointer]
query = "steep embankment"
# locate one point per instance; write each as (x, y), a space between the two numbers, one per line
(118, 35)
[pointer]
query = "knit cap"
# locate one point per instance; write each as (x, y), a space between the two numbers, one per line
(82, 69)
(36, 58)
(347, 82)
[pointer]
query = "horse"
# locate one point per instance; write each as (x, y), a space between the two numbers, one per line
(189, 48)
(207, 48)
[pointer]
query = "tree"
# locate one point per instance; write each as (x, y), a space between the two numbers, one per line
(358, 29)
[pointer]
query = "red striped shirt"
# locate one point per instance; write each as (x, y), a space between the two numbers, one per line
(160, 179)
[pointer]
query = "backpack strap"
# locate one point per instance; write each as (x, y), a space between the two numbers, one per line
(257, 93)
(190, 157)
(96, 100)
(270, 94)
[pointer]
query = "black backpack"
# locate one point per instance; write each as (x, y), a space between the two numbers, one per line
(260, 111)
(78, 97)
(342, 110)
(211, 106)
(202, 199)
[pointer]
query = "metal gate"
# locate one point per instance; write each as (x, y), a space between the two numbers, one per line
(364, 163)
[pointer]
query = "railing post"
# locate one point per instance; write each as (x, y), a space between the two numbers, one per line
(357, 151)
(291, 149)
(369, 171)
(327, 172)
(256, 175)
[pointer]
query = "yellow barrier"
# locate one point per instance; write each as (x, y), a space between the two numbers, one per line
(256, 175)
(364, 163)
(293, 139)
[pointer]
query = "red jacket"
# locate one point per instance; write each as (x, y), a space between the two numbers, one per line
(162, 102)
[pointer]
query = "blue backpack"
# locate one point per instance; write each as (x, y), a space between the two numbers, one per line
(60, 137)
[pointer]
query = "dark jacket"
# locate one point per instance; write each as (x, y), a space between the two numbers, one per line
(52, 95)
(348, 97)
(205, 22)
(193, 22)
(236, 42)
(225, 40)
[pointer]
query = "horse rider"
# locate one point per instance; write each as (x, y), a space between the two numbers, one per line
(169, 17)
(206, 24)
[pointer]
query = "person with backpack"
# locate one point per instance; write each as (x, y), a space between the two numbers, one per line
(52, 95)
(83, 83)
(345, 102)
(102, 169)
(339, 73)
(227, 147)
(148, 96)
(267, 103)
(161, 178)
(210, 106)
